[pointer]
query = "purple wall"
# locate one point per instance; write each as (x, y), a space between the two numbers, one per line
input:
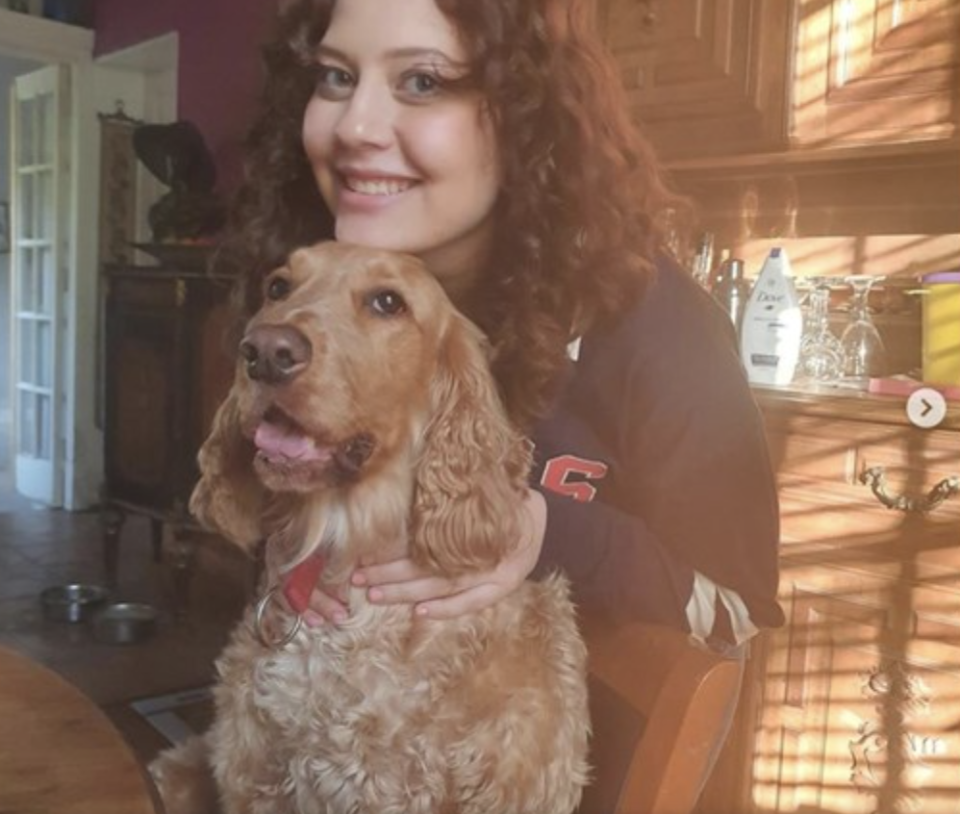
(219, 71)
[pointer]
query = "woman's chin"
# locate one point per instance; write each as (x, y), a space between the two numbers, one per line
(372, 236)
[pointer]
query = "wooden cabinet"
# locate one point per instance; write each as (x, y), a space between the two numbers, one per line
(703, 76)
(166, 372)
(855, 705)
(731, 77)
(795, 123)
(876, 71)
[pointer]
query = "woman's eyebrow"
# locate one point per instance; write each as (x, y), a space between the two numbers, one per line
(420, 53)
(409, 52)
(327, 51)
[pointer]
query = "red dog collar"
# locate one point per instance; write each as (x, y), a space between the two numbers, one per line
(301, 581)
(296, 590)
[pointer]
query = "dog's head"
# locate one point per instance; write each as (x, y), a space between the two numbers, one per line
(357, 369)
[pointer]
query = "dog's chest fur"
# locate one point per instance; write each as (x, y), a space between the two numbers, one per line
(389, 710)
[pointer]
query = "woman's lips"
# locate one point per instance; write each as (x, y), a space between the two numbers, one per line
(370, 193)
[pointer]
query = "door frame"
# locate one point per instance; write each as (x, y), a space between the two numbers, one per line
(96, 85)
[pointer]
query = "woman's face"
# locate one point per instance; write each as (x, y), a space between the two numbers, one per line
(403, 160)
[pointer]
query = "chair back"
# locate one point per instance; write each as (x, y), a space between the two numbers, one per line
(662, 706)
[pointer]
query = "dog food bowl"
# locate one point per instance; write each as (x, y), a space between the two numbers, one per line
(71, 603)
(125, 623)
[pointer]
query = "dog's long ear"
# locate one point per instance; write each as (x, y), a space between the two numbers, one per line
(229, 498)
(472, 473)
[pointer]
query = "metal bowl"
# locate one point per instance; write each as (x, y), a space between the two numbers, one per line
(71, 603)
(125, 623)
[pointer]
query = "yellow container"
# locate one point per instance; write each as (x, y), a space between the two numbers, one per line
(941, 328)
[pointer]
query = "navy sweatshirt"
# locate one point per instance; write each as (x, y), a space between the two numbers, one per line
(655, 469)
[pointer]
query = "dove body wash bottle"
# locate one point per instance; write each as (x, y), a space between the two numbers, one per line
(772, 324)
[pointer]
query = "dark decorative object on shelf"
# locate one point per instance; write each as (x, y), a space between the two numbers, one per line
(72, 12)
(178, 157)
(188, 256)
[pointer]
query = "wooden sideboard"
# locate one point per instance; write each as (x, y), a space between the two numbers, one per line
(166, 371)
(854, 706)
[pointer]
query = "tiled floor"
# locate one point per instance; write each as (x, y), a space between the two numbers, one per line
(41, 547)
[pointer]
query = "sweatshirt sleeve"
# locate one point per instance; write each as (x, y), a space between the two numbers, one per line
(663, 401)
(615, 565)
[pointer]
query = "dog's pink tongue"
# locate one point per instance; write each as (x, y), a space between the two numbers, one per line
(280, 441)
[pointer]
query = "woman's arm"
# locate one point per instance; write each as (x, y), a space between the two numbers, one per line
(402, 581)
(656, 468)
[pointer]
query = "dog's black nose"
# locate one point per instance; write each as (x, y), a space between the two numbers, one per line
(275, 354)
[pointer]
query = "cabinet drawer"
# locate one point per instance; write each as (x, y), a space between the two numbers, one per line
(851, 529)
(914, 460)
(838, 452)
(808, 448)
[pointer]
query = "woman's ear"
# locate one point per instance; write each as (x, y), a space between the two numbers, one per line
(229, 497)
(472, 472)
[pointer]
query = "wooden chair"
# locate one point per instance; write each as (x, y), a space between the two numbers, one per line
(662, 706)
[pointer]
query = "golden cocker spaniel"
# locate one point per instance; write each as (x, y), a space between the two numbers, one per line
(363, 425)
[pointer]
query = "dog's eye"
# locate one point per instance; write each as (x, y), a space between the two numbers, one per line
(387, 303)
(278, 288)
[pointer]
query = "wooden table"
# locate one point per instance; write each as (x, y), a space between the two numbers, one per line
(59, 753)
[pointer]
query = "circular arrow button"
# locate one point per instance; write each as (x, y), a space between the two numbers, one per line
(926, 408)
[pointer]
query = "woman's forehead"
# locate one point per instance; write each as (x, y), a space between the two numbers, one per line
(392, 27)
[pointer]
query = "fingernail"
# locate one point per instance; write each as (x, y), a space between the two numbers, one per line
(312, 619)
(374, 594)
(359, 579)
(422, 610)
(339, 617)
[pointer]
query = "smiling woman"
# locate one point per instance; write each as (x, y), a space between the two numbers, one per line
(403, 151)
(493, 141)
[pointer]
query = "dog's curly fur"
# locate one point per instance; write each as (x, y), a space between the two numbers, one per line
(483, 714)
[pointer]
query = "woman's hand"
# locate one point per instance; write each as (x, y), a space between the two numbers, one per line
(403, 582)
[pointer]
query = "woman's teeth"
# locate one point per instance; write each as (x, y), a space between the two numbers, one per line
(376, 187)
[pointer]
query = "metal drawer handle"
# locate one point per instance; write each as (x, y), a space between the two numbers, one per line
(876, 477)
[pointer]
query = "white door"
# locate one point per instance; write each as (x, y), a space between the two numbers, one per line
(39, 197)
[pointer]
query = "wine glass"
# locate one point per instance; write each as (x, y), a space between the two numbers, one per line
(821, 354)
(864, 354)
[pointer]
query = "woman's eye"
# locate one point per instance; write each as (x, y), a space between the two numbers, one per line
(278, 288)
(387, 303)
(421, 84)
(333, 82)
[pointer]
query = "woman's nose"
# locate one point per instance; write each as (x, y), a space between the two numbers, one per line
(367, 119)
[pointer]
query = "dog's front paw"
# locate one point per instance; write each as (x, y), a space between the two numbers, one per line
(184, 779)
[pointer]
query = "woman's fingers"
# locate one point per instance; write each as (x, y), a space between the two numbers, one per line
(411, 591)
(324, 608)
(386, 573)
(469, 601)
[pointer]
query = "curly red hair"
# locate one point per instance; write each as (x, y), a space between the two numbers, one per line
(581, 194)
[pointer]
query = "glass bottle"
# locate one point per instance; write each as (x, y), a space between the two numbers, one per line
(703, 260)
(732, 290)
